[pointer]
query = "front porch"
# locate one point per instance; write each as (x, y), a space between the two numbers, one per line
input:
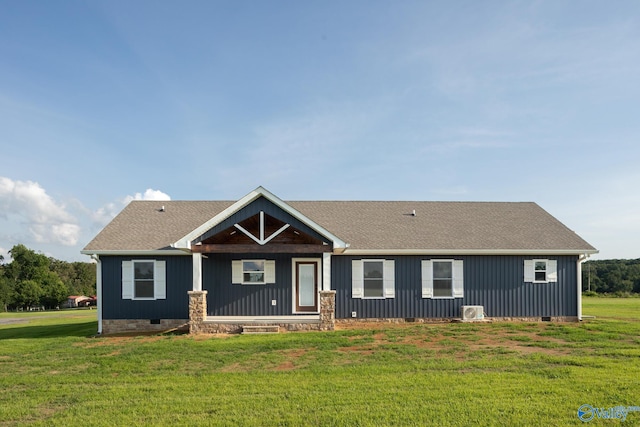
(201, 323)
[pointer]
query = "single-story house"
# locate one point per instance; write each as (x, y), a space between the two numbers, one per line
(219, 266)
(76, 300)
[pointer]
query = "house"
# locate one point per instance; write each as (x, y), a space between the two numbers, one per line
(76, 300)
(223, 265)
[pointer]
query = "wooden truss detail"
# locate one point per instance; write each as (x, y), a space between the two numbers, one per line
(261, 240)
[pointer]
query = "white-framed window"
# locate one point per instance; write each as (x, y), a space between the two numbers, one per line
(253, 271)
(442, 278)
(540, 270)
(373, 279)
(144, 279)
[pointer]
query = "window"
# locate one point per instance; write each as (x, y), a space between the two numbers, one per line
(442, 278)
(253, 272)
(144, 280)
(373, 279)
(540, 270)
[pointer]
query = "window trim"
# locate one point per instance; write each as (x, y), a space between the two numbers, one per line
(135, 280)
(264, 272)
(546, 270)
(433, 278)
(364, 279)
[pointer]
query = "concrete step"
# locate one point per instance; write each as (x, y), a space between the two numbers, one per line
(264, 329)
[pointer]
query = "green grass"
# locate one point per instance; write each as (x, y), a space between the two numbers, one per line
(611, 308)
(52, 372)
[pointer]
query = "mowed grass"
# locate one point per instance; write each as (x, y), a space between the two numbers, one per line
(52, 372)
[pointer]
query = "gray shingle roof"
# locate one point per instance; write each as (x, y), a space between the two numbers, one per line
(364, 225)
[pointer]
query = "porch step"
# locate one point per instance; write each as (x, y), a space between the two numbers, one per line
(265, 329)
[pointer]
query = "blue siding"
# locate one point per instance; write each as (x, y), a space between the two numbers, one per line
(175, 306)
(254, 208)
(227, 299)
(495, 282)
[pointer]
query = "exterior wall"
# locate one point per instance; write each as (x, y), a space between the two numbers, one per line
(175, 306)
(495, 282)
(227, 299)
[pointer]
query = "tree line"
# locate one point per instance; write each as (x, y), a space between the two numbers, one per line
(612, 276)
(32, 279)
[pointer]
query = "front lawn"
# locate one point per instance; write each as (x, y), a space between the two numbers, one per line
(53, 373)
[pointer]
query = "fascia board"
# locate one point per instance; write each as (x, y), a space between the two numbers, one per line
(468, 252)
(137, 252)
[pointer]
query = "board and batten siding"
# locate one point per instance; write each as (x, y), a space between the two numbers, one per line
(495, 282)
(227, 299)
(178, 282)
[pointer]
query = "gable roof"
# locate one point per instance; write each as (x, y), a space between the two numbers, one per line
(360, 227)
(185, 242)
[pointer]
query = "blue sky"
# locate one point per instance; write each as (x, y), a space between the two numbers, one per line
(102, 102)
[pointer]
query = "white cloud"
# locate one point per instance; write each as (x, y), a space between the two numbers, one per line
(106, 213)
(46, 220)
(149, 194)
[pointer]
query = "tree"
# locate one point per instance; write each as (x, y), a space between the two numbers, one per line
(28, 293)
(26, 265)
(54, 291)
(6, 293)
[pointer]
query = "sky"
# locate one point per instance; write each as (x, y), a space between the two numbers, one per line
(103, 102)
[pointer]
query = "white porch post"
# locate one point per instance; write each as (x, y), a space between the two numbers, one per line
(326, 271)
(197, 271)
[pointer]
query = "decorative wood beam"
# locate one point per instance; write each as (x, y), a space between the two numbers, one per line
(244, 249)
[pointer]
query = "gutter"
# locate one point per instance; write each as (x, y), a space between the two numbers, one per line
(98, 289)
(581, 259)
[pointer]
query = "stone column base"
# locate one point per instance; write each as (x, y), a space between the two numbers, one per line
(197, 310)
(327, 310)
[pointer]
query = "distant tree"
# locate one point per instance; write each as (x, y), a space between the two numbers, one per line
(85, 278)
(28, 293)
(26, 265)
(6, 293)
(611, 276)
(54, 291)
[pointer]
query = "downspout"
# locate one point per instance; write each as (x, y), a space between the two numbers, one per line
(98, 289)
(581, 259)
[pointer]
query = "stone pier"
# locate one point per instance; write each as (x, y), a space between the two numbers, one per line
(197, 311)
(327, 310)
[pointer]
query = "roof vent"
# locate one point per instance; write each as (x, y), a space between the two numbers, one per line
(162, 208)
(413, 213)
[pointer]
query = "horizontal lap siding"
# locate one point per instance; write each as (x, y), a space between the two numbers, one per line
(175, 306)
(495, 282)
(227, 299)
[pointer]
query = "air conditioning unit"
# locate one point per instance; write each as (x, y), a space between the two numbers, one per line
(472, 312)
